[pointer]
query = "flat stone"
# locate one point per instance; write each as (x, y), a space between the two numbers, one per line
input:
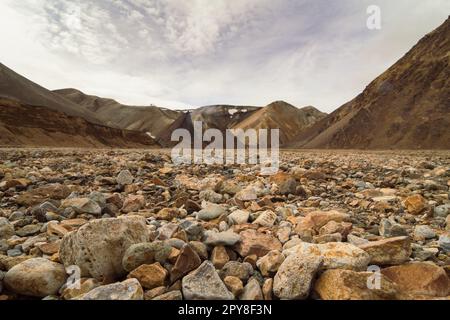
(225, 238)
(82, 205)
(388, 251)
(212, 211)
(129, 289)
(205, 284)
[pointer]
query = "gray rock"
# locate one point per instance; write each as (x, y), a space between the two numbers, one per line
(6, 229)
(241, 270)
(36, 277)
(98, 246)
(82, 205)
(145, 253)
(210, 196)
(238, 217)
(444, 242)
(29, 230)
(295, 275)
(205, 284)
(389, 228)
(225, 238)
(442, 211)
(212, 211)
(124, 177)
(424, 231)
(129, 289)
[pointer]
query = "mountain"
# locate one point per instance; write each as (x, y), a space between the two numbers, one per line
(30, 126)
(407, 107)
(149, 119)
(31, 115)
(15, 87)
(281, 115)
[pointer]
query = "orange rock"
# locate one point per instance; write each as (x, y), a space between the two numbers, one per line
(150, 275)
(415, 204)
(389, 251)
(253, 242)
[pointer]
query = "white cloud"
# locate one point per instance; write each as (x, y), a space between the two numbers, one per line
(179, 53)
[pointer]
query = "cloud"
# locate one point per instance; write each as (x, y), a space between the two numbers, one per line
(178, 53)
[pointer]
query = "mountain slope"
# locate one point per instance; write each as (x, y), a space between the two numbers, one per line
(15, 87)
(149, 119)
(281, 115)
(408, 106)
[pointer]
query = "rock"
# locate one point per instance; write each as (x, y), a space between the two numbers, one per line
(228, 187)
(133, 203)
(390, 228)
(252, 291)
(6, 229)
(200, 248)
(444, 242)
(240, 270)
(355, 240)
(205, 284)
(254, 242)
(335, 255)
(289, 186)
(270, 262)
(124, 177)
(350, 285)
(419, 278)
(99, 246)
(36, 196)
(415, 204)
(331, 227)
(334, 237)
(210, 196)
(150, 294)
(170, 296)
(212, 211)
(225, 238)
(82, 205)
(238, 217)
(424, 232)
(29, 230)
(442, 211)
(187, 261)
(219, 257)
(145, 253)
(388, 251)
(86, 285)
(247, 194)
(169, 214)
(129, 289)
(234, 284)
(317, 219)
(295, 275)
(37, 277)
(150, 275)
(266, 219)
(267, 289)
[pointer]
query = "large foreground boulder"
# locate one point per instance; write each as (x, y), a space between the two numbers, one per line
(99, 246)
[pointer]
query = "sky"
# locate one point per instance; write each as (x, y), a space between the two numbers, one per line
(191, 53)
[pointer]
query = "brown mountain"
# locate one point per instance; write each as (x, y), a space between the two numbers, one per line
(281, 115)
(31, 115)
(407, 107)
(149, 119)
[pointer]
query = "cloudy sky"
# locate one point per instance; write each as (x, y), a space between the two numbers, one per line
(187, 53)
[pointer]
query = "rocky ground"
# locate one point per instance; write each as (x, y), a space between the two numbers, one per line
(129, 225)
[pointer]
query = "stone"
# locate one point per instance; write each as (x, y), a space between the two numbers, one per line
(424, 232)
(219, 257)
(145, 253)
(225, 238)
(168, 214)
(6, 229)
(254, 242)
(129, 289)
(86, 285)
(252, 291)
(98, 246)
(388, 251)
(288, 187)
(267, 289)
(334, 237)
(37, 277)
(238, 217)
(241, 270)
(49, 247)
(124, 177)
(187, 261)
(270, 262)
(444, 242)
(442, 211)
(29, 230)
(212, 211)
(210, 196)
(36, 196)
(419, 278)
(150, 275)
(205, 284)
(82, 205)
(170, 296)
(228, 187)
(200, 248)
(415, 204)
(295, 276)
(332, 226)
(335, 255)
(350, 285)
(317, 219)
(133, 203)
(150, 294)
(234, 284)
(390, 228)
(266, 219)
(247, 194)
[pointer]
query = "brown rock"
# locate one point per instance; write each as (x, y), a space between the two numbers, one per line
(419, 278)
(388, 251)
(133, 203)
(415, 204)
(234, 284)
(149, 275)
(254, 242)
(86, 285)
(187, 261)
(317, 219)
(252, 291)
(150, 294)
(267, 289)
(219, 257)
(270, 262)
